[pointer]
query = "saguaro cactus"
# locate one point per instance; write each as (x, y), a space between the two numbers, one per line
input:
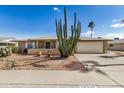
(67, 43)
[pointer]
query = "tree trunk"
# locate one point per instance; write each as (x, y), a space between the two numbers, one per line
(91, 32)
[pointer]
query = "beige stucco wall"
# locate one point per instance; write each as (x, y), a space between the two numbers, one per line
(90, 47)
(43, 51)
(104, 46)
(53, 43)
(21, 46)
(119, 47)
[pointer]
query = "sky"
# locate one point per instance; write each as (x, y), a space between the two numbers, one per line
(27, 21)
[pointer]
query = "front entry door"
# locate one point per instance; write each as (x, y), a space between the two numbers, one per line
(47, 45)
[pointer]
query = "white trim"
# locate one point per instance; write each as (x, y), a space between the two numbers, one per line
(61, 2)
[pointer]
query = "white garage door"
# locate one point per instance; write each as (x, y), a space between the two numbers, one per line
(90, 47)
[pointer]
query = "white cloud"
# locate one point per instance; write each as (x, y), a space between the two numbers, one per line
(88, 33)
(114, 35)
(56, 9)
(117, 25)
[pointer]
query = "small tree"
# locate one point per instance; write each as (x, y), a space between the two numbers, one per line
(67, 44)
(91, 26)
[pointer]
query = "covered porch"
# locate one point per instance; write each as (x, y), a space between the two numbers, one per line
(43, 46)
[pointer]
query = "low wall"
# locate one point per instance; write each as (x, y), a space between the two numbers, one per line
(43, 51)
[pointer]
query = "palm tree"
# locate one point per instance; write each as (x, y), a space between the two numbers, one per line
(91, 26)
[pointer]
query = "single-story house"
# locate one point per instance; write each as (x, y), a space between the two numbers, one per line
(6, 41)
(116, 45)
(45, 44)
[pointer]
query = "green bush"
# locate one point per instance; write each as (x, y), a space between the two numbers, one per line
(8, 51)
(3, 52)
(14, 49)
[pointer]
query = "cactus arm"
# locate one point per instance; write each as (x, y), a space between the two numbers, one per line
(65, 24)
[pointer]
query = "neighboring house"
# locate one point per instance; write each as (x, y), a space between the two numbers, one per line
(6, 41)
(116, 45)
(45, 44)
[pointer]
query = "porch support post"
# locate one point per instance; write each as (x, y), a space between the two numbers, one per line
(7, 44)
(26, 44)
(33, 44)
(37, 44)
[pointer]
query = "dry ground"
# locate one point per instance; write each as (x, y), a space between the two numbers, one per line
(31, 62)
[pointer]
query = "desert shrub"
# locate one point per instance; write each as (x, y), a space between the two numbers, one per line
(8, 51)
(3, 52)
(14, 49)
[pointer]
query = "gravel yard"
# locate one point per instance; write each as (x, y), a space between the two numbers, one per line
(31, 62)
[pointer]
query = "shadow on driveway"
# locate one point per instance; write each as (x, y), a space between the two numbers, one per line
(91, 66)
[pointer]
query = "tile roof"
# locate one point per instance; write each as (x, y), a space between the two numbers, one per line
(44, 38)
(100, 39)
(55, 38)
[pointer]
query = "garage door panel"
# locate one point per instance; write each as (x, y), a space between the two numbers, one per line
(89, 47)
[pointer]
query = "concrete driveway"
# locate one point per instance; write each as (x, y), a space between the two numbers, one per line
(109, 65)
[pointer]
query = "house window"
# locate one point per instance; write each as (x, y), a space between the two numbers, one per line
(3, 44)
(47, 45)
(111, 45)
(30, 45)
